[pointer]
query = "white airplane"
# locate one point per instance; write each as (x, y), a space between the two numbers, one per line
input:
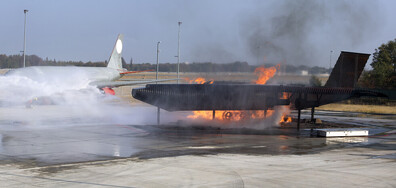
(102, 77)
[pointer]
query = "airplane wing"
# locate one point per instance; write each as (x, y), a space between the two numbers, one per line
(112, 84)
(131, 72)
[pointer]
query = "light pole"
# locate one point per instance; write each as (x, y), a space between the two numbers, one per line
(156, 75)
(24, 39)
(178, 52)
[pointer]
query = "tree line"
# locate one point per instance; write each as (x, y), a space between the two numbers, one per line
(16, 61)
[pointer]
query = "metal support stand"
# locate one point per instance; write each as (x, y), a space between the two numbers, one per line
(214, 114)
(156, 77)
(298, 119)
(158, 115)
(312, 114)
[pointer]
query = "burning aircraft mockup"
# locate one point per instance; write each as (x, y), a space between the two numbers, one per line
(341, 85)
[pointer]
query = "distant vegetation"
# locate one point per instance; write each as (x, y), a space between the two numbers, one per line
(16, 61)
(383, 74)
(315, 81)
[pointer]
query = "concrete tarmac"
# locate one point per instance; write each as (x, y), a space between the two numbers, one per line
(55, 146)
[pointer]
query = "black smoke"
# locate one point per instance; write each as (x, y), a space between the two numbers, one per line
(304, 32)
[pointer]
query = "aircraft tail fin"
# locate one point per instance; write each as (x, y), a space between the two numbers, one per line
(347, 70)
(115, 61)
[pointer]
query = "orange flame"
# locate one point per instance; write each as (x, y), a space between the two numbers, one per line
(264, 74)
(285, 95)
(285, 119)
(198, 80)
(231, 115)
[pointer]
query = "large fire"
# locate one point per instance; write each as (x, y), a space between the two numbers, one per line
(231, 115)
(264, 74)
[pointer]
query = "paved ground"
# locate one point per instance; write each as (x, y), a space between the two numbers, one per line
(353, 167)
(68, 146)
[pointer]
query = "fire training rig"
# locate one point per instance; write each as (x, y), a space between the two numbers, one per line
(237, 96)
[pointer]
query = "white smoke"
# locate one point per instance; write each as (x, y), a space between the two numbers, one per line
(20, 89)
(55, 103)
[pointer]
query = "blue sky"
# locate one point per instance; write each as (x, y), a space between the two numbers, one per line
(293, 32)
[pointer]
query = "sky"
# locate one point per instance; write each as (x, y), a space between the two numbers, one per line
(259, 32)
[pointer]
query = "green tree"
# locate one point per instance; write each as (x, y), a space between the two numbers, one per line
(383, 74)
(315, 81)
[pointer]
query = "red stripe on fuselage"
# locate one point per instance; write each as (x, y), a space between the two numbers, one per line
(109, 91)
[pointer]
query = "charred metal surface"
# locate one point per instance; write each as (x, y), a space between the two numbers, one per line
(185, 97)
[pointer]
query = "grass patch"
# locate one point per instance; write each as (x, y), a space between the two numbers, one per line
(378, 109)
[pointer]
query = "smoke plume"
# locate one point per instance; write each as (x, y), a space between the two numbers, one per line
(304, 32)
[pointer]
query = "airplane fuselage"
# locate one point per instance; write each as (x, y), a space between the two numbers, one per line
(189, 97)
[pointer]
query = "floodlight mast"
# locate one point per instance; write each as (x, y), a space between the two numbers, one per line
(158, 44)
(178, 52)
(24, 39)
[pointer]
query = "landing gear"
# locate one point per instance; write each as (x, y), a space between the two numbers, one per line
(312, 114)
(158, 115)
(227, 115)
(298, 119)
